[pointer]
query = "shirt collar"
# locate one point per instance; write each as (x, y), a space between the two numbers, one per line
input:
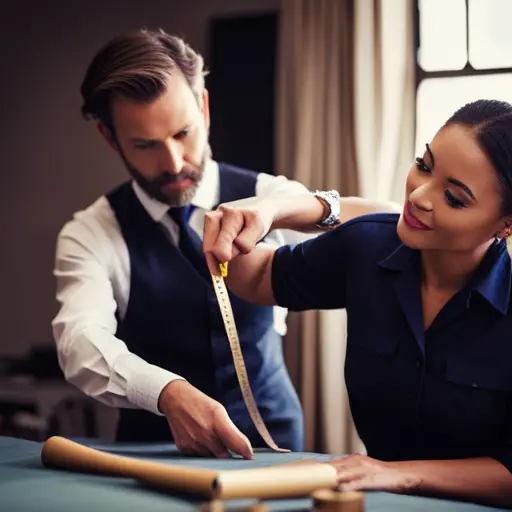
(492, 279)
(399, 258)
(206, 196)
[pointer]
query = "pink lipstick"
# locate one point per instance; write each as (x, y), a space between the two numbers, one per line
(412, 221)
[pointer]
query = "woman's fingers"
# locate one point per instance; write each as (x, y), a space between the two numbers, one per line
(212, 226)
(252, 232)
(359, 472)
(228, 232)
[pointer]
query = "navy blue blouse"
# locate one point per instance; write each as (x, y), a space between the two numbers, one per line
(443, 393)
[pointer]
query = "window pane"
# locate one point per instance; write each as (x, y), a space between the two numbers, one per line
(439, 98)
(490, 41)
(442, 35)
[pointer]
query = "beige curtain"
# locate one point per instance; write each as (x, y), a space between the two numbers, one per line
(327, 103)
(315, 145)
(315, 94)
(384, 96)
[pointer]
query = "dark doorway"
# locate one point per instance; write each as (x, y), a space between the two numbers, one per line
(241, 61)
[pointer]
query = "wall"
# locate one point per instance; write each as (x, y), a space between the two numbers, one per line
(53, 162)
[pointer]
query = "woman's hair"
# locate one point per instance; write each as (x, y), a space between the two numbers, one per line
(491, 121)
(137, 66)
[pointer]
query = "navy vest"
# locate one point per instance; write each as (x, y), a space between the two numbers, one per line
(173, 321)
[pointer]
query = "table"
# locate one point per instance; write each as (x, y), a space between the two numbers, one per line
(25, 485)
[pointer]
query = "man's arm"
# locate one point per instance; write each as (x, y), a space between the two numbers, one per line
(91, 357)
(350, 207)
(100, 364)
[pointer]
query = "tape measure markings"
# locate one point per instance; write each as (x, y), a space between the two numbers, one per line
(238, 359)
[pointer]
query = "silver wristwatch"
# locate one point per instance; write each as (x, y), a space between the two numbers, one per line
(330, 199)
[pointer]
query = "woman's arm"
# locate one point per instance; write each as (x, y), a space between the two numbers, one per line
(232, 234)
(483, 480)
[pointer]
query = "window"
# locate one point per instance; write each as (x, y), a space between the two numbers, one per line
(464, 52)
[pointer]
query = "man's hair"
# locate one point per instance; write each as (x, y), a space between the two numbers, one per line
(137, 66)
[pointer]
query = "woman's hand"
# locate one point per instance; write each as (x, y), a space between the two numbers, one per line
(235, 228)
(359, 472)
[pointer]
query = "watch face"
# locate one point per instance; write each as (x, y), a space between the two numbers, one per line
(332, 222)
(331, 201)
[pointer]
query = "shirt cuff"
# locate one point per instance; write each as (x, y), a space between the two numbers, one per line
(286, 264)
(144, 382)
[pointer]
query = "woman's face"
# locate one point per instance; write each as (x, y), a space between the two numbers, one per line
(452, 198)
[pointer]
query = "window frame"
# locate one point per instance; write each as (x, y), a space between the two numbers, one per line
(468, 70)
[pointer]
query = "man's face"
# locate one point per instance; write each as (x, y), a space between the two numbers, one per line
(164, 144)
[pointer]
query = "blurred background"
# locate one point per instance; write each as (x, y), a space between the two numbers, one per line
(335, 93)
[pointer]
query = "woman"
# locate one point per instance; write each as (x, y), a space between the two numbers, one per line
(427, 293)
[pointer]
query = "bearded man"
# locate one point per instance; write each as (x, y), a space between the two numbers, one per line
(139, 327)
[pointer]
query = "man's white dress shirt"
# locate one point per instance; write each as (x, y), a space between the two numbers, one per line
(92, 269)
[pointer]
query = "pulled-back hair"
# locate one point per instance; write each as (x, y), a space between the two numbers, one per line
(137, 66)
(492, 123)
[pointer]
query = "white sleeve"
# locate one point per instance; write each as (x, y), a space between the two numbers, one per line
(87, 264)
(352, 206)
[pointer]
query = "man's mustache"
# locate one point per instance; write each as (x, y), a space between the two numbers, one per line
(167, 177)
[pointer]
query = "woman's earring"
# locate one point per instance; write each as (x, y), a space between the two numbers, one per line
(507, 231)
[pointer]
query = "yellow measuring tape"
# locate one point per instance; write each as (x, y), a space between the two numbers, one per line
(238, 359)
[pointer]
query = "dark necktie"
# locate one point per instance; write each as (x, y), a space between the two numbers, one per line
(190, 245)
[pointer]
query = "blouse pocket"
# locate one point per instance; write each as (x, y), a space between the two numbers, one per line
(479, 374)
(475, 400)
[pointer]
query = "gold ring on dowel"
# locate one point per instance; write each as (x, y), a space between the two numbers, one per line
(326, 500)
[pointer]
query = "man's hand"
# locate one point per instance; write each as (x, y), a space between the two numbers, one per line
(199, 424)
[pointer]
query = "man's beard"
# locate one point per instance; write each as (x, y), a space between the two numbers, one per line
(155, 187)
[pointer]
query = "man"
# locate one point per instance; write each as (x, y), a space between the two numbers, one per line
(139, 327)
